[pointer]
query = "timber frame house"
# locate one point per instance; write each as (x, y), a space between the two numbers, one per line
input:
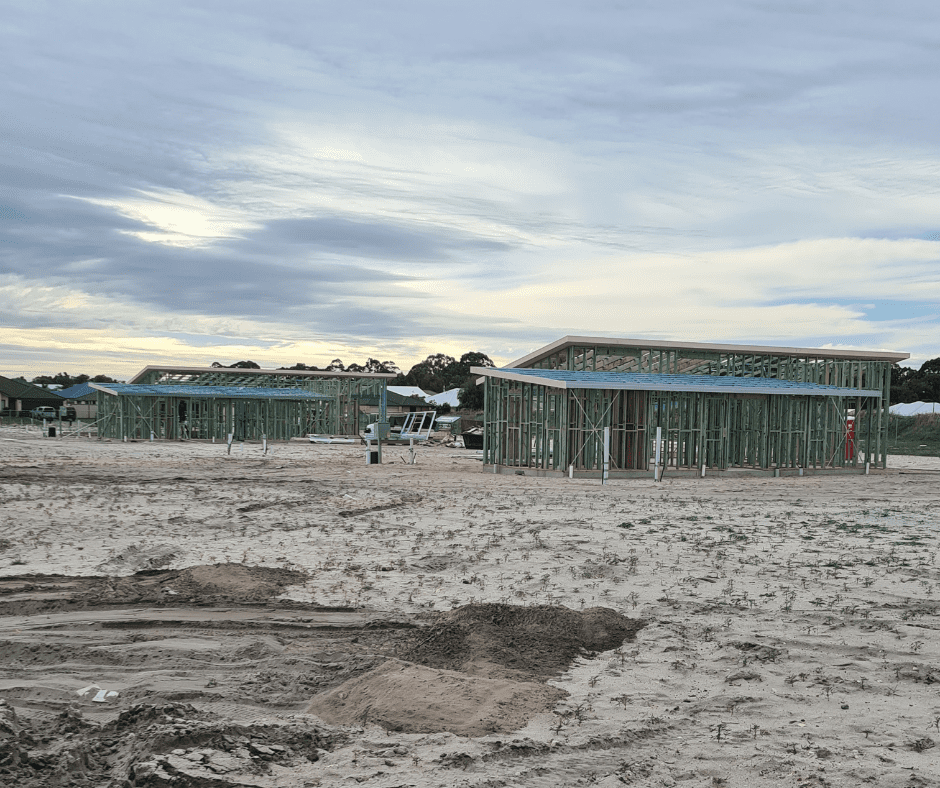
(718, 408)
(211, 403)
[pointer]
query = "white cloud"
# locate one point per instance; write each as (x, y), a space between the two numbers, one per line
(179, 219)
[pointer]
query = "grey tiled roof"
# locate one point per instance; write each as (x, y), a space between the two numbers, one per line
(18, 390)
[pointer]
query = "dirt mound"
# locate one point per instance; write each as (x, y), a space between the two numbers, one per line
(235, 581)
(201, 585)
(518, 642)
(403, 697)
(216, 584)
(149, 745)
(479, 670)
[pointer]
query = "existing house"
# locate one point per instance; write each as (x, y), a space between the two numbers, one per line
(450, 397)
(17, 396)
(83, 398)
(410, 391)
(717, 407)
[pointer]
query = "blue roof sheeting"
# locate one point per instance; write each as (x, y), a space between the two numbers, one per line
(207, 392)
(78, 391)
(636, 381)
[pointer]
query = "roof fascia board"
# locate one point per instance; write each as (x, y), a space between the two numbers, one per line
(653, 344)
(213, 392)
(304, 373)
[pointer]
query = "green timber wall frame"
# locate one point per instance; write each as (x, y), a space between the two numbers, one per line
(553, 429)
(346, 389)
(169, 417)
(528, 425)
(823, 366)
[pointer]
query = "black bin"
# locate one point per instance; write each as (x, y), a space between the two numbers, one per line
(52, 432)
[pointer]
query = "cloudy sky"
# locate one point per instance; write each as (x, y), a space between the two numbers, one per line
(217, 181)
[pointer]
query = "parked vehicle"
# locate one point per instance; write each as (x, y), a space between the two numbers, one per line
(50, 413)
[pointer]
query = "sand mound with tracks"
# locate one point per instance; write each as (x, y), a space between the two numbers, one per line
(481, 670)
(400, 696)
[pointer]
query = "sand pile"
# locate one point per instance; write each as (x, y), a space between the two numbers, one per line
(237, 581)
(497, 640)
(401, 696)
(481, 670)
(208, 584)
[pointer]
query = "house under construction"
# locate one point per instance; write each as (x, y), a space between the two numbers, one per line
(715, 408)
(171, 402)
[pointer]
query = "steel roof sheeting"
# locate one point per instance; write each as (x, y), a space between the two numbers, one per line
(206, 392)
(637, 381)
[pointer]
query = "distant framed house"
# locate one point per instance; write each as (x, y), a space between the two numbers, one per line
(181, 402)
(196, 412)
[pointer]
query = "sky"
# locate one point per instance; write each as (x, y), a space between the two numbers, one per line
(183, 183)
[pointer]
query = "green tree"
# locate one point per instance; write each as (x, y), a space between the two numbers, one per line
(64, 380)
(237, 365)
(476, 359)
(440, 372)
(471, 396)
(374, 365)
(910, 385)
(429, 374)
(302, 368)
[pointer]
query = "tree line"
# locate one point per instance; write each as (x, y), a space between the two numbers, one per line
(916, 385)
(65, 380)
(438, 372)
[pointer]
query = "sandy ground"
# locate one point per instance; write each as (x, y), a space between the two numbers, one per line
(302, 619)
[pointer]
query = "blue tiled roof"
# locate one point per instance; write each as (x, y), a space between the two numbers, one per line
(207, 392)
(635, 381)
